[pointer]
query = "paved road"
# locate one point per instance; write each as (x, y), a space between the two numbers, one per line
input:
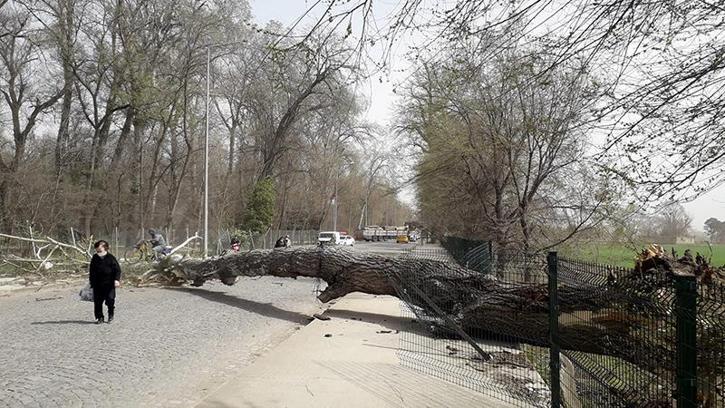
(391, 248)
(383, 248)
(167, 347)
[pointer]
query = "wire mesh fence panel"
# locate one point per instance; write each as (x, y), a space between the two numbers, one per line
(710, 344)
(519, 268)
(472, 254)
(428, 251)
(477, 354)
(643, 322)
(623, 338)
(266, 240)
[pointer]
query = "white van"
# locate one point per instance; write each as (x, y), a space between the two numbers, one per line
(328, 238)
(347, 240)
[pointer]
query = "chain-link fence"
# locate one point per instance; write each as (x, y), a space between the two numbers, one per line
(536, 330)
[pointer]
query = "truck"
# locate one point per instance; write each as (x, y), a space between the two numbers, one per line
(328, 238)
(378, 233)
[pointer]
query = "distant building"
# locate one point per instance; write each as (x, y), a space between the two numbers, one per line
(685, 240)
(699, 236)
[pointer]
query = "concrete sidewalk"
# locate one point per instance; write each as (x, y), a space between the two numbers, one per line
(350, 360)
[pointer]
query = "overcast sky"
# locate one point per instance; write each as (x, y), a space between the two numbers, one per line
(381, 99)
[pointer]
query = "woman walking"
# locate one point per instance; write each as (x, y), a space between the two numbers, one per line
(104, 276)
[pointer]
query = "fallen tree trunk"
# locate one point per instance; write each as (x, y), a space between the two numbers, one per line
(472, 300)
(346, 271)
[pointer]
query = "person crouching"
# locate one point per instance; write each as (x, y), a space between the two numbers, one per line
(104, 276)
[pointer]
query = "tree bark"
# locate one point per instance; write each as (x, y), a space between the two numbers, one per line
(65, 37)
(472, 300)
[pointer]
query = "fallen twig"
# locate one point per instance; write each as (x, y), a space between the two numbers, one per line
(183, 244)
(44, 262)
(68, 246)
(24, 239)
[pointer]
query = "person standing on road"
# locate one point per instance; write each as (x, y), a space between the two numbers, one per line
(104, 276)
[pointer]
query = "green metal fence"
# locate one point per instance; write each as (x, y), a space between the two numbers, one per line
(584, 335)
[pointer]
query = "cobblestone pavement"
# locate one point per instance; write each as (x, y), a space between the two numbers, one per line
(165, 348)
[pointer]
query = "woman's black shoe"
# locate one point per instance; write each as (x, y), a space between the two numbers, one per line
(99, 321)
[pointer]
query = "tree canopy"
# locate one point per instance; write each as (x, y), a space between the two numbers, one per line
(103, 118)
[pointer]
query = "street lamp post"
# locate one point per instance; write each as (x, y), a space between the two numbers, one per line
(334, 203)
(206, 159)
(334, 211)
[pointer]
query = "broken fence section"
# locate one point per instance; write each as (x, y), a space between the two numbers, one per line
(660, 339)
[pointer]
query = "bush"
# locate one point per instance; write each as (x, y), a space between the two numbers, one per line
(260, 208)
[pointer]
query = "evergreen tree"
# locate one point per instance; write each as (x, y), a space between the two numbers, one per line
(260, 209)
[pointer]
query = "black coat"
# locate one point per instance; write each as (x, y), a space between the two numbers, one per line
(103, 271)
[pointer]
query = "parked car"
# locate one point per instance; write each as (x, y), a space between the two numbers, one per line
(347, 240)
(328, 238)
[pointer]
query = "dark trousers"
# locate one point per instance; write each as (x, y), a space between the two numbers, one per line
(101, 294)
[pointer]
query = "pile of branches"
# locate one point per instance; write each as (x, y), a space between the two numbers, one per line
(159, 272)
(49, 257)
(655, 258)
(710, 313)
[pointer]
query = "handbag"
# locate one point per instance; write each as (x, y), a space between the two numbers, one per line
(86, 294)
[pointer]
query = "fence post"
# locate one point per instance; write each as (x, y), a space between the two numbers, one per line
(554, 348)
(490, 257)
(686, 315)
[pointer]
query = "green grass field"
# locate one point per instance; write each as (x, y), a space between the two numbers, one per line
(620, 255)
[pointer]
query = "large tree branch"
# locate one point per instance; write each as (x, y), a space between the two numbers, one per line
(38, 109)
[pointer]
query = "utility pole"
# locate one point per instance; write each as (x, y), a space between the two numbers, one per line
(367, 219)
(206, 159)
(334, 210)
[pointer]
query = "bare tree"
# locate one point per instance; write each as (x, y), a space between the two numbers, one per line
(674, 223)
(130, 77)
(378, 159)
(25, 98)
(661, 99)
(510, 138)
(61, 21)
(318, 79)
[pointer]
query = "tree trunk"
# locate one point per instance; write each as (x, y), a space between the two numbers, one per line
(274, 147)
(5, 214)
(61, 146)
(472, 300)
(139, 127)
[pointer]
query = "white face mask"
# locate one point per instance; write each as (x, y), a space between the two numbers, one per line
(101, 253)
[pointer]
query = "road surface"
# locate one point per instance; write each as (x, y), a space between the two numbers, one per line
(165, 348)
